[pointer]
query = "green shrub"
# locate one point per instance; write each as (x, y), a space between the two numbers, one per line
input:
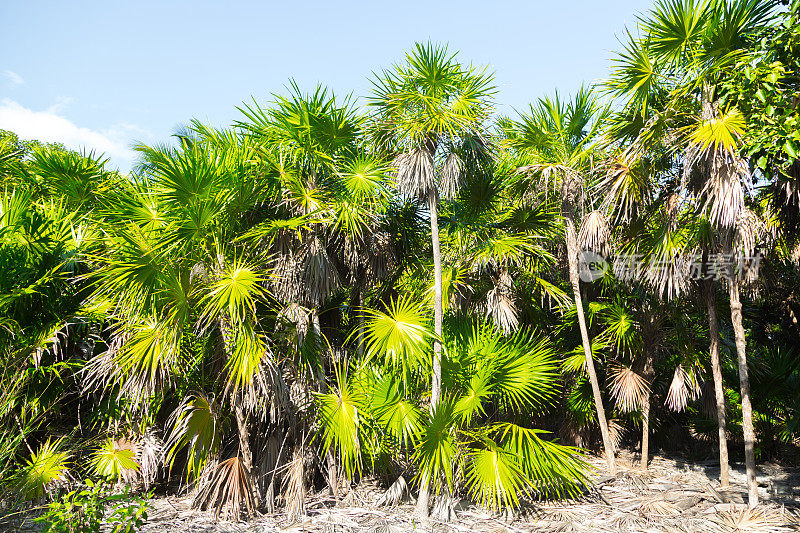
(84, 511)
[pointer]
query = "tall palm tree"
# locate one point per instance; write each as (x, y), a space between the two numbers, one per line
(425, 108)
(684, 51)
(556, 140)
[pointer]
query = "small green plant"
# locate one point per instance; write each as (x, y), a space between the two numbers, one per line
(84, 511)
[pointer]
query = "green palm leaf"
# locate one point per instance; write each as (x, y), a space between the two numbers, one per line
(339, 418)
(399, 334)
(47, 465)
(114, 460)
(493, 476)
(196, 425)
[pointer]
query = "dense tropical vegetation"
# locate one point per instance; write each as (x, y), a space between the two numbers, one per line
(322, 291)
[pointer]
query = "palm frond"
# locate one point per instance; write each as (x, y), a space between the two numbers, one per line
(628, 388)
(228, 490)
(46, 466)
(115, 460)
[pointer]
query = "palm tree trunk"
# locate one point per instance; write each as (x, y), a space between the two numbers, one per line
(244, 439)
(744, 383)
(572, 260)
(719, 391)
(332, 476)
(245, 451)
(649, 372)
(356, 305)
(436, 385)
(241, 415)
(436, 379)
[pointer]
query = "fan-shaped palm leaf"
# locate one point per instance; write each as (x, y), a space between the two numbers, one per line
(339, 418)
(115, 460)
(46, 466)
(196, 425)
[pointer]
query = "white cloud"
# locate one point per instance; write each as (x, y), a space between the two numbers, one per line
(61, 103)
(13, 77)
(48, 126)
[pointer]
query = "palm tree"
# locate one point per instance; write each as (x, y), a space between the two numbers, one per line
(556, 139)
(424, 109)
(684, 52)
(491, 385)
(172, 272)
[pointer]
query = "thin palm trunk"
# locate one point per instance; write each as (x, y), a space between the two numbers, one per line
(744, 383)
(649, 372)
(436, 379)
(436, 385)
(330, 460)
(719, 391)
(572, 260)
(244, 439)
(240, 413)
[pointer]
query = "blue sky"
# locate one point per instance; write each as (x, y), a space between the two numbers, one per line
(107, 74)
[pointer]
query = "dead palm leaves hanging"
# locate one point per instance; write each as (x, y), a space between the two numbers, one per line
(683, 388)
(227, 490)
(628, 388)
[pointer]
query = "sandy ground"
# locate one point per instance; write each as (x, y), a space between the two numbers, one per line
(671, 496)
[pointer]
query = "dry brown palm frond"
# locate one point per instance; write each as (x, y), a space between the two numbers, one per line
(227, 490)
(594, 234)
(150, 457)
(564, 180)
(286, 280)
(749, 230)
(295, 492)
(628, 388)
(451, 176)
(300, 391)
(350, 247)
(268, 475)
(723, 192)
(658, 508)
(198, 274)
(751, 521)
(415, 172)
(500, 304)
(684, 387)
(381, 258)
(668, 274)
(294, 316)
(394, 494)
(266, 394)
(616, 431)
(320, 275)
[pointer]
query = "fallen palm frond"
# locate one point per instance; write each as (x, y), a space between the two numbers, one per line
(751, 521)
(395, 493)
